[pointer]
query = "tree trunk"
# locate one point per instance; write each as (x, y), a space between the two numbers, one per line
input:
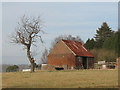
(32, 67)
(30, 59)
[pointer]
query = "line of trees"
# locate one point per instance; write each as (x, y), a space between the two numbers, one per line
(104, 45)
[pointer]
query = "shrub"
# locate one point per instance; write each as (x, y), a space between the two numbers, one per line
(13, 68)
(104, 55)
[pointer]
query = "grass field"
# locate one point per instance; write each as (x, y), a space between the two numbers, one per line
(61, 79)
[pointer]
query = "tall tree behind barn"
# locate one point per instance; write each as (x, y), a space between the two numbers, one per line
(26, 33)
(103, 33)
(65, 37)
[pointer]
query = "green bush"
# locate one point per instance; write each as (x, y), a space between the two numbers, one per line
(13, 68)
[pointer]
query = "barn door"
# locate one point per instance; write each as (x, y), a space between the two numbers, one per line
(84, 62)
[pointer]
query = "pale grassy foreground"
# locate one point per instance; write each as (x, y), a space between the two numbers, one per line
(61, 79)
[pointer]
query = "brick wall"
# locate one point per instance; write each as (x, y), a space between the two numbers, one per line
(61, 55)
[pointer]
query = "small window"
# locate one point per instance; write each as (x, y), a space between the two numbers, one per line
(79, 59)
(90, 60)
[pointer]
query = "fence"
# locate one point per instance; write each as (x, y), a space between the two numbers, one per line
(109, 65)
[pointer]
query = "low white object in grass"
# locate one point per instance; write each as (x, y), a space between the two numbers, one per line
(25, 70)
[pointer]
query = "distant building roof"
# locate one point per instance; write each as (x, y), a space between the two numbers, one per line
(78, 48)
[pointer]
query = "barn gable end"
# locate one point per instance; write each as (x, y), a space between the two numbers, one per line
(61, 48)
(61, 55)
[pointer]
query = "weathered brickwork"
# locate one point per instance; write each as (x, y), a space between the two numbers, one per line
(62, 55)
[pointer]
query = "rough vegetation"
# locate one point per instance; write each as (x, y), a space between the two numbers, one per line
(61, 79)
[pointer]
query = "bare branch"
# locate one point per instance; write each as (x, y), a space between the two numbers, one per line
(27, 32)
(44, 57)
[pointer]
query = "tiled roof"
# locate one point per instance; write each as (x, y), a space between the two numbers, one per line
(78, 48)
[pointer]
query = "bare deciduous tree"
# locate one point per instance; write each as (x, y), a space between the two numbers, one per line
(26, 33)
(65, 37)
(44, 57)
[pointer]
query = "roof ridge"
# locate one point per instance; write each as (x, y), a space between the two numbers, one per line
(70, 40)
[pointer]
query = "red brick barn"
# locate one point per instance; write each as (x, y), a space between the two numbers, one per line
(71, 54)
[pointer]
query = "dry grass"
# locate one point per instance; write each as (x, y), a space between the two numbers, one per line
(61, 79)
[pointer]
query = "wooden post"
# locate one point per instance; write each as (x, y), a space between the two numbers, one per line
(87, 62)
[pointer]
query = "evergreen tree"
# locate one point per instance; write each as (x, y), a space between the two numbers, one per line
(118, 43)
(102, 33)
(90, 44)
(87, 43)
(113, 43)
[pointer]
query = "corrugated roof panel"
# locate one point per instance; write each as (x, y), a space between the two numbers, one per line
(78, 48)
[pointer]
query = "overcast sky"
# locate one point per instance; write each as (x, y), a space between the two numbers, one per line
(59, 18)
